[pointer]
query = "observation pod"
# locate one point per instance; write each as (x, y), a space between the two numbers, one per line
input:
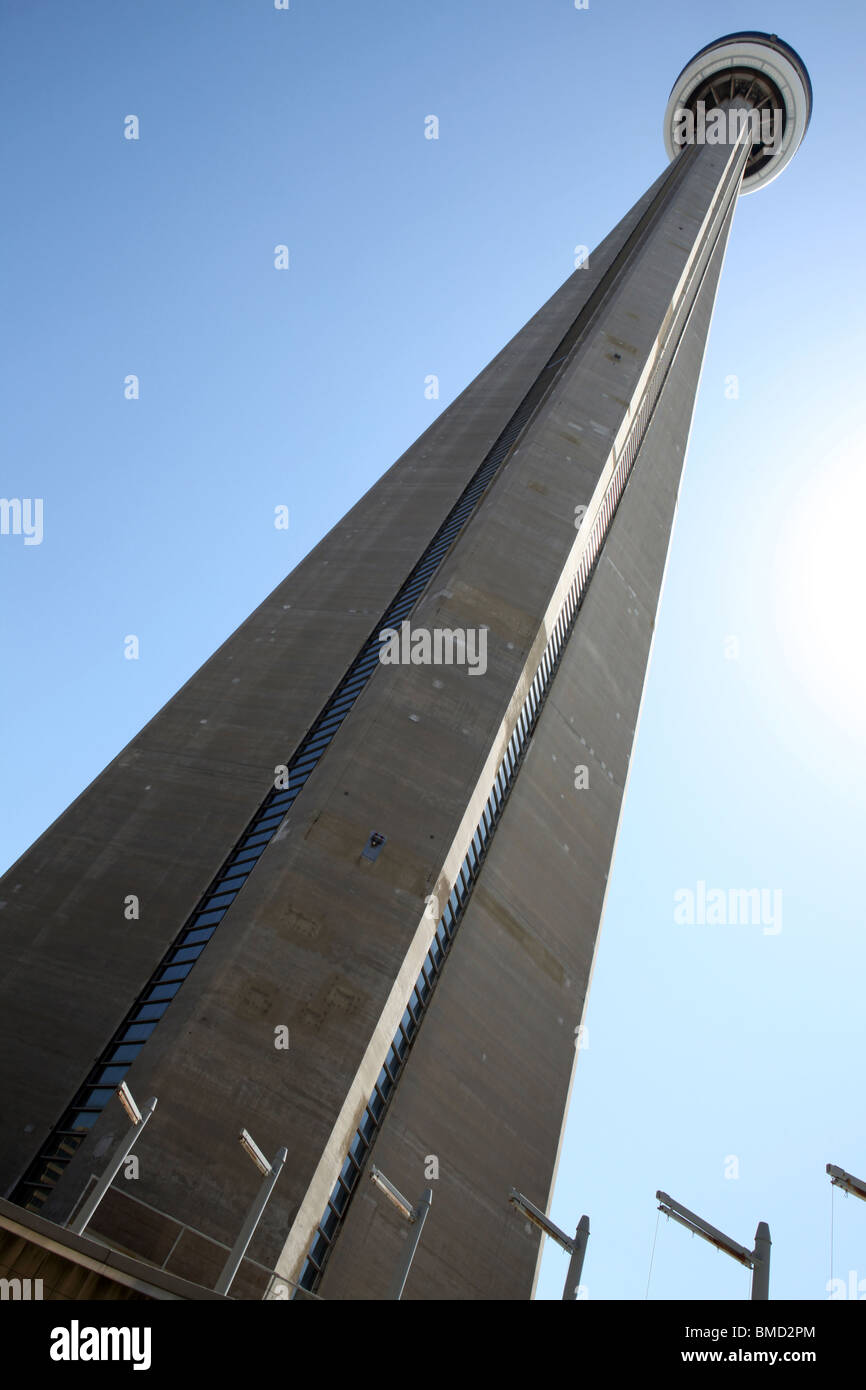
(761, 71)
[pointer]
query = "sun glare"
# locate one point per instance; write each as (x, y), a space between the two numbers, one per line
(819, 586)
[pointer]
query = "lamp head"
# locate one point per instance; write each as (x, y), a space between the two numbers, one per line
(124, 1095)
(249, 1146)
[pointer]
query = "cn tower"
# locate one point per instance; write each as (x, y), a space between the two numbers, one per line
(402, 863)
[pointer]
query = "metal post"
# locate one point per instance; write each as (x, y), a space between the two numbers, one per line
(419, 1216)
(78, 1226)
(761, 1265)
(575, 1248)
(239, 1248)
(575, 1267)
(847, 1181)
(757, 1260)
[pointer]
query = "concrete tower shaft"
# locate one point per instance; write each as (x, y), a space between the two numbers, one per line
(418, 909)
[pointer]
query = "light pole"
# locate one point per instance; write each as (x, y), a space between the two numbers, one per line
(139, 1119)
(847, 1181)
(416, 1216)
(271, 1172)
(576, 1247)
(757, 1260)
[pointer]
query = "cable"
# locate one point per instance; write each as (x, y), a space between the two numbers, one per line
(832, 1211)
(652, 1255)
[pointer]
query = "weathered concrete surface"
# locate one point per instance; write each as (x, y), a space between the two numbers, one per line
(161, 818)
(329, 945)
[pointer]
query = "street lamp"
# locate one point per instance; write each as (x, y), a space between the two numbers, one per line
(139, 1119)
(576, 1248)
(757, 1260)
(839, 1178)
(271, 1172)
(416, 1216)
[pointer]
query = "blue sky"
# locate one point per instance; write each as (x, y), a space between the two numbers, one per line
(259, 388)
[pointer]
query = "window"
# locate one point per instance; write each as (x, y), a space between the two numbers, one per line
(338, 1200)
(247, 855)
(318, 1252)
(163, 991)
(199, 935)
(112, 1076)
(358, 1148)
(149, 1013)
(205, 919)
(255, 840)
(175, 972)
(187, 953)
(99, 1097)
(235, 879)
(138, 1032)
(84, 1119)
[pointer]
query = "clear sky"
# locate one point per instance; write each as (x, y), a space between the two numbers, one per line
(259, 387)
